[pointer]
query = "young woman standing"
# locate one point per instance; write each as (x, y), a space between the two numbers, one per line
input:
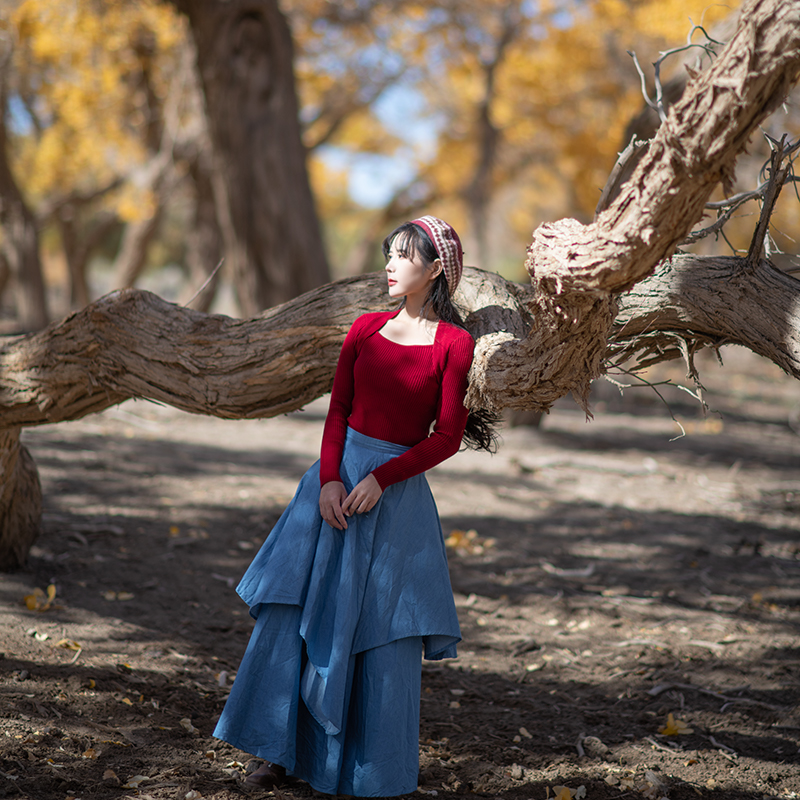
(351, 586)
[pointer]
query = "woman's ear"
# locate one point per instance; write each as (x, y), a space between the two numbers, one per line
(436, 269)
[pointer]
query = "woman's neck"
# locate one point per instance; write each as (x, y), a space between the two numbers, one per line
(415, 311)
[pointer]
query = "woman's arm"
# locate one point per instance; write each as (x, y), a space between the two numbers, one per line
(335, 430)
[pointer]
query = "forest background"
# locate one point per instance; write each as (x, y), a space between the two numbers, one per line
(495, 115)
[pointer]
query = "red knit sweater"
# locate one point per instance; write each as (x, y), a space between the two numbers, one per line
(394, 392)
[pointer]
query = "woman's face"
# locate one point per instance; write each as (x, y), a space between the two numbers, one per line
(408, 274)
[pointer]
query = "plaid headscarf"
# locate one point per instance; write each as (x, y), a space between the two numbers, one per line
(448, 247)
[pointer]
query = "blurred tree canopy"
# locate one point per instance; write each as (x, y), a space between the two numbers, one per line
(129, 149)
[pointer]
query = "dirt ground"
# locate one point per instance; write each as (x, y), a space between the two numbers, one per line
(606, 577)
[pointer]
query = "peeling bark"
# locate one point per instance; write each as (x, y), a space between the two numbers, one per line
(710, 301)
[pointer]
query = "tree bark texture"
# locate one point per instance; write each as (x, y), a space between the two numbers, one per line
(691, 302)
(20, 500)
(131, 343)
(273, 240)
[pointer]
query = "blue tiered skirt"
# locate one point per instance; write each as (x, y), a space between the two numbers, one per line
(329, 685)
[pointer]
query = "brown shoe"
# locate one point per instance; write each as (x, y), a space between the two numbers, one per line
(267, 776)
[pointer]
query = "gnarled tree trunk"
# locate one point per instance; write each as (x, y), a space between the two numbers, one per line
(578, 270)
(134, 344)
(20, 500)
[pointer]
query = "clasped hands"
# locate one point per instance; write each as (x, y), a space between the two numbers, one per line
(336, 505)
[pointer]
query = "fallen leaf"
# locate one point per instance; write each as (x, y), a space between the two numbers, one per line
(112, 596)
(90, 753)
(655, 788)
(192, 795)
(135, 781)
(68, 644)
(40, 600)
(186, 724)
(563, 793)
(674, 727)
(468, 542)
(524, 732)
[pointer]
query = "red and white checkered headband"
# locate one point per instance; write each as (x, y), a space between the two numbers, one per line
(448, 247)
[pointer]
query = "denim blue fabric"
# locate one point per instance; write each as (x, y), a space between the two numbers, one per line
(329, 605)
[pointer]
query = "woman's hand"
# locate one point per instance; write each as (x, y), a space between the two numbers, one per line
(363, 497)
(331, 497)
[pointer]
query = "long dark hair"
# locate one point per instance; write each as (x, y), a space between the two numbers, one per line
(480, 432)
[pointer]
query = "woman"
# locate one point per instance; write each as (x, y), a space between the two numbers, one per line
(352, 585)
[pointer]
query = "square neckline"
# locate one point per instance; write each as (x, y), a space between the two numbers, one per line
(400, 344)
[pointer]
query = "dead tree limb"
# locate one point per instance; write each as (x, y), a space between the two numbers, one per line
(709, 301)
(576, 270)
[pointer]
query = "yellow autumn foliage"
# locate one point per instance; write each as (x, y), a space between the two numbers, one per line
(560, 96)
(80, 67)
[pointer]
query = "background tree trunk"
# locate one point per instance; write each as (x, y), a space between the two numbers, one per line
(132, 256)
(204, 248)
(273, 241)
(20, 242)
